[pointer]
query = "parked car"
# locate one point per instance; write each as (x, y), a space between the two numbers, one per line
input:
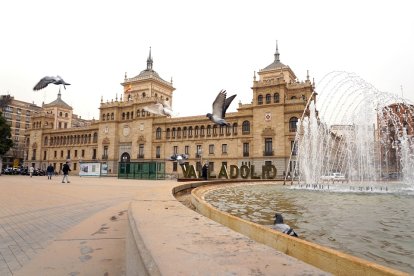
(334, 177)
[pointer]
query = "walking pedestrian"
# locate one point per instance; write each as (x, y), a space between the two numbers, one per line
(50, 171)
(66, 171)
(31, 170)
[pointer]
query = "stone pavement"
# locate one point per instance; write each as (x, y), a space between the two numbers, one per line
(35, 211)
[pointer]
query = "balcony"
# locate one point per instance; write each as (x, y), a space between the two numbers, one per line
(104, 157)
(140, 156)
(268, 153)
(245, 154)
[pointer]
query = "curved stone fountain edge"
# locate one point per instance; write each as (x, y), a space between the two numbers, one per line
(325, 258)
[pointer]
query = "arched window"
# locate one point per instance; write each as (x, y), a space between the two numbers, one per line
(268, 98)
(246, 127)
(179, 132)
(260, 99)
(190, 131)
(64, 140)
(46, 141)
(107, 116)
(103, 117)
(127, 115)
(95, 137)
(138, 113)
(292, 124)
(209, 130)
(89, 138)
(123, 115)
(142, 113)
(276, 98)
(112, 116)
(228, 128)
(196, 131)
(167, 134)
(221, 130)
(132, 114)
(202, 131)
(174, 133)
(158, 133)
(235, 129)
(214, 130)
(185, 132)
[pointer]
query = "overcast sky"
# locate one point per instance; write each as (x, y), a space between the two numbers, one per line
(204, 46)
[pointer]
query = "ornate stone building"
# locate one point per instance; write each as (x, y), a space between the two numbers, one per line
(261, 132)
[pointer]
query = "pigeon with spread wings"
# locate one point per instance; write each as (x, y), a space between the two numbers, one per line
(161, 108)
(220, 106)
(48, 80)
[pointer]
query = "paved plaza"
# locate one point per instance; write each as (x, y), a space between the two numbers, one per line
(36, 212)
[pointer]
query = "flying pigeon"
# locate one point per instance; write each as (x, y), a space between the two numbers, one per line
(220, 106)
(180, 158)
(47, 80)
(161, 108)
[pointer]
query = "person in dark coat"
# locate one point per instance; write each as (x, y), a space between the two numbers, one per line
(50, 171)
(66, 171)
(204, 171)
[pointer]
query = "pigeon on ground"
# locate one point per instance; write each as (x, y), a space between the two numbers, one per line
(281, 227)
(220, 106)
(161, 108)
(47, 80)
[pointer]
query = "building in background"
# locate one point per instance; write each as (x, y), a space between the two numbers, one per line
(261, 132)
(18, 114)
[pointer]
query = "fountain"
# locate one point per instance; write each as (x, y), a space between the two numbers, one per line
(353, 168)
(358, 132)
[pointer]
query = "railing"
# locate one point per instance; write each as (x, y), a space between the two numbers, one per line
(245, 154)
(104, 157)
(268, 153)
(140, 156)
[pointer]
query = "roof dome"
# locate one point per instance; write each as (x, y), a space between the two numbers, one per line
(58, 102)
(276, 64)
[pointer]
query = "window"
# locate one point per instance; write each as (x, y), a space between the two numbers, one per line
(175, 150)
(196, 131)
(61, 154)
(202, 131)
(185, 132)
(268, 99)
(276, 97)
(158, 152)
(103, 117)
(214, 130)
(44, 155)
(246, 149)
(211, 149)
(60, 124)
(224, 148)
(268, 147)
(93, 153)
(293, 98)
(292, 124)
(141, 151)
(158, 133)
(55, 155)
(293, 147)
(66, 115)
(167, 134)
(211, 166)
(260, 99)
(74, 166)
(46, 141)
(246, 127)
(174, 133)
(190, 131)
(179, 132)
(221, 130)
(66, 125)
(68, 155)
(186, 149)
(175, 166)
(208, 130)
(235, 129)
(83, 153)
(112, 116)
(76, 153)
(199, 151)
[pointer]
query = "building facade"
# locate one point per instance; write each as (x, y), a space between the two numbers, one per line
(18, 114)
(261, 132)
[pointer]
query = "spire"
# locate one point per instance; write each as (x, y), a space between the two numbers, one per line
(59, 95)
(254, 76)
(149, 61)
(307, 74)
(277, 53)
